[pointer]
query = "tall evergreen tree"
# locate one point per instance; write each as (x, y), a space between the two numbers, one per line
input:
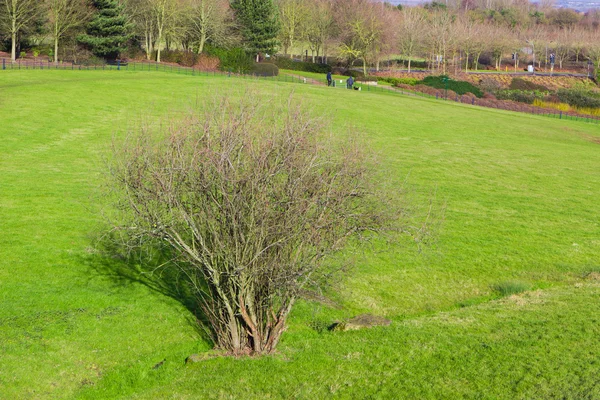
(108, 31)
(260, 24)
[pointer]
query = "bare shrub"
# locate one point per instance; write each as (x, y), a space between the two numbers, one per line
(248, 201)
(207, 63)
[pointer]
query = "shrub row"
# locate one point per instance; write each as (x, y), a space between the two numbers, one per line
(578, 97)
(399, 81)
(264, 69)
(521, 96)
(181, 57)
(234, 60)
(460, 87)
(522, 84)
(288, 63)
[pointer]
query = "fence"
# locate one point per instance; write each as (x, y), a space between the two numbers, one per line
(152, 66)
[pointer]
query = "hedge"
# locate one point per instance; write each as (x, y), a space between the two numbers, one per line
(460, 87)
(288, 63)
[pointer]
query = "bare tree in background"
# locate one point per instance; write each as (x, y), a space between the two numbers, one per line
(16, 15)
(361, 29)
(209, 20)
(467, 32)
(165, 14)
(64, 16)
(411, 32)
(440, 38)
(501, 42)
(145, 23)
(250, 204)
(293, 16)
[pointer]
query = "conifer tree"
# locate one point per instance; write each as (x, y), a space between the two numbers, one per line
(108, 31)
(260, 24)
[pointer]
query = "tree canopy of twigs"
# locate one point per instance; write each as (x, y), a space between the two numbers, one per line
(249, 202)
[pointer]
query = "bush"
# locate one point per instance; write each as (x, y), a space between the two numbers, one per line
(266, 194)
(207, 63)
(185, 58)
(288, 63)
(579, 98)
(188, 59)
(522, 84)
(92, 60)
(460, 87)
(516, 95)
(399, 81)
(265, 69)
(233, 60)
(490, 85)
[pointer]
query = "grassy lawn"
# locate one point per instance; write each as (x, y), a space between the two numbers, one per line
(521, 206)
(312, 75)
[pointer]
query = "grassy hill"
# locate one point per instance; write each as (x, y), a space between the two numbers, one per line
(521, 211)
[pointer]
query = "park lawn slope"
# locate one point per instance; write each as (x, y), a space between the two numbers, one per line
(519, 194)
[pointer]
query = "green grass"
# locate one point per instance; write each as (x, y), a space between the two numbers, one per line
(521, 206)
(312, 75)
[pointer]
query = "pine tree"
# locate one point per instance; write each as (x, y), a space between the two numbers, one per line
(260, 24)
(108, 31)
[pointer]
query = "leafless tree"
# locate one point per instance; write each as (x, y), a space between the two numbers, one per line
(467, 31)
(361, 29)
(501, 43)
(209, 20)
(165, 14)
(411, 32)
(64, 16)
(145, 23)
(441, 37)
(16, 15)
(318, 28)
(293, 17)
(250, 203)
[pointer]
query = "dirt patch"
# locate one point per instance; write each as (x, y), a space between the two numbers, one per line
(593, 276)
(523, 299)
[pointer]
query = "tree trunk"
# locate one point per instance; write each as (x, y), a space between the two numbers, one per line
(148, 46)
(409, 64)
(364, 66)
(56, 50)
(466, 61)
(158, 45)
(13, 49)
(202, 42)
(477, 61)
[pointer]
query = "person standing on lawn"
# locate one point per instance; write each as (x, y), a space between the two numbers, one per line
(349, 82)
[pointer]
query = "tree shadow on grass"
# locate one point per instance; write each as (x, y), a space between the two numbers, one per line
(153, 268)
